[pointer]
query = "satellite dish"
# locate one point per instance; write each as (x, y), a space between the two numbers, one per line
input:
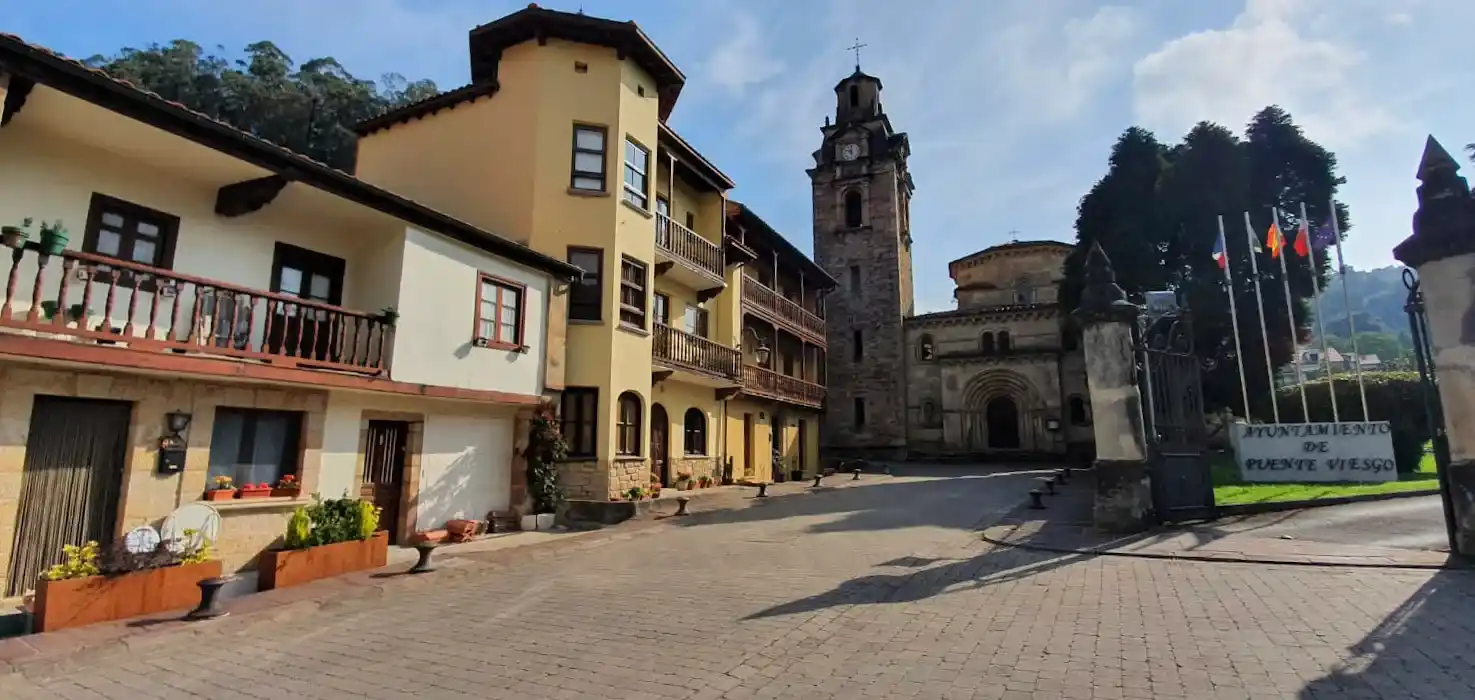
(201, 520)
(141, 540)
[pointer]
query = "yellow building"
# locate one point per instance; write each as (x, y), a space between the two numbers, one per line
(560, 142)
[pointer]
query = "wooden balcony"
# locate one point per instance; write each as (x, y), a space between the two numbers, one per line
(684, 352)
(85, 298)
(687, 257)
(780, 387)
(776, 309)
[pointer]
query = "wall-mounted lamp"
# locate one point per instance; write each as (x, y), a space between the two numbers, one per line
(172, 445)
(760, 353)
(1052, 425)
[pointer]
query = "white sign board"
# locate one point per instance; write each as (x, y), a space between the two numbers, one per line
(1291, 452)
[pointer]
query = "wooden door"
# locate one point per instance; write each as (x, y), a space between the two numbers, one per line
(660, 432)
(70, 482)
(748, 462)
(384, 471)
(803, 430)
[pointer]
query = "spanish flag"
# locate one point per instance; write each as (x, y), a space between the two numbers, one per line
(1274, 241)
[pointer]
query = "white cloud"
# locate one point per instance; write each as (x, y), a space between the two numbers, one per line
(743, 57)
(1263, 58)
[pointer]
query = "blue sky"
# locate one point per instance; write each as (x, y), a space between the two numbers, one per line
(1011, 104)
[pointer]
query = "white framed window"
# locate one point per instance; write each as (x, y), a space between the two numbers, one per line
(637, 165)
(587, 173)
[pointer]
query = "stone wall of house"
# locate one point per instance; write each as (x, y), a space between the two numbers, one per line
(583, 480)
(697, 467)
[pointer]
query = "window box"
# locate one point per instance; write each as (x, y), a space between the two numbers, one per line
(257, 491)
(290, 567)
(220, 494)
(85, 601)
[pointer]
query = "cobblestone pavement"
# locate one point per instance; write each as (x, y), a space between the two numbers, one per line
(876, 591)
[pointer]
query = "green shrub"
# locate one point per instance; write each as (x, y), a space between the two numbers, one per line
(1395, 397)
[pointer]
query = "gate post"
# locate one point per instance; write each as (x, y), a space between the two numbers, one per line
(1123, 479)
(1442, 252)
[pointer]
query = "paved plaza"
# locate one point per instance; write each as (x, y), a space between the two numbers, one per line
(878, 589)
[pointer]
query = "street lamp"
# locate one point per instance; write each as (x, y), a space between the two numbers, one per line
(760, 353)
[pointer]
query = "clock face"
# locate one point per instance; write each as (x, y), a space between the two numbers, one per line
(849, 151)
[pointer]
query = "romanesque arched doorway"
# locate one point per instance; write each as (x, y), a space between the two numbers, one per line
(1002, 420)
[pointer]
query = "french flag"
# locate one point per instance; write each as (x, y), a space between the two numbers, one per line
(1221, 255)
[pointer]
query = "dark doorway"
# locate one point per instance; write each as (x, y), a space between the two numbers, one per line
(70, 482)
(384, 471)
(306, 274)
(748, 461)
(803, 447)
(660, 439)
(1002, 415)
(776, 447)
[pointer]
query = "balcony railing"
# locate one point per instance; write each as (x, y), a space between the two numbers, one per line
(84, 297)
(679, 350)
(778, 309)
(770, 384)
(685, 245)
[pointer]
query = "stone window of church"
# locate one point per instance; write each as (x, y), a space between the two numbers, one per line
(1078, 414)
(986, 343)
(1005, 344)
(860, 413)
(1024, 293)
(929, 413)
(855, 279)
(857, 347)
(1069, 340)
(854, 209)
(925, 349)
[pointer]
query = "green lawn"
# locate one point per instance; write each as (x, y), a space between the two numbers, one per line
(1229, 489)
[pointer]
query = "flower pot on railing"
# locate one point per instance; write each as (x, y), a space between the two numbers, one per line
(16, 236)
(54, 238)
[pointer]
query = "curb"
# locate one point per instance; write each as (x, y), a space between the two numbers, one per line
(1234, 509)
(1453, 565)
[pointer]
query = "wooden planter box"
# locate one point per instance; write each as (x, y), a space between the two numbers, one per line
(291, 567)
(85, 601)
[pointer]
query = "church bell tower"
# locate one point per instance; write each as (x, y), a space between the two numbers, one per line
(862, 196)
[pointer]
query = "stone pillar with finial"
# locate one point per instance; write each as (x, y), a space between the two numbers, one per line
(1442, 252)
(1123, 501)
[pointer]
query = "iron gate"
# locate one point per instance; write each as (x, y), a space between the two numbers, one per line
(1418, 329)
(1173, 419)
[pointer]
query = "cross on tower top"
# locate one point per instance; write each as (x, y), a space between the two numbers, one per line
(856, 48)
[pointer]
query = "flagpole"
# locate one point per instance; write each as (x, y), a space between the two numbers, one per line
(1260, 308)
(1239, 356)
(1285, 280)
(1331, 386)
(1347, 304)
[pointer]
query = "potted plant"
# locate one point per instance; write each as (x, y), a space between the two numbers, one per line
(704, 481)
(655, 489)
(261, 490)
(75, 312)
(389, 316)
(53, 238)
(287, 487)
(16, 236)
(461, 530)
(545, 447)
(327, 538)
(683, 481)
(93, 585)
(635, 493)
(221, 488)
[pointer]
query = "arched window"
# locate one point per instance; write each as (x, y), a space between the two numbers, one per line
(1005, 345)
(854, 206)
(986, 343)
(1077, 411)
(854, 95)
(627, 424)
(696, 432)
(1023, 292)
(924, 348)
(929, 413)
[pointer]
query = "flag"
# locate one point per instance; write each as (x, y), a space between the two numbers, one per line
(1303, 241)
(1221, 254)
(1273, 240)
(1325, 235)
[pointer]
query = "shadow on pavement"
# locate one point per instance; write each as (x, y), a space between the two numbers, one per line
(1424, 649)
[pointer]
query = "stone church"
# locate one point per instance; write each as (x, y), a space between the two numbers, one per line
(1000, 377)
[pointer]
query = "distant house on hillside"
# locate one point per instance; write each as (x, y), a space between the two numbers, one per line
(1314, 364)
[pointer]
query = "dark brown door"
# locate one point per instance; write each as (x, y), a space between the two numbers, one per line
(70, 481)
(660, 439)
(384, 471)
(306, 274)
(748, 445)
(803, 429)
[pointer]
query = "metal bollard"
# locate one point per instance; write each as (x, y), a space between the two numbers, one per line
(763, 490)
(681, 502)
(209, 607)
(1036, 500)
(817, 477)
(857, 476)
(1049, 485)
(423, 566)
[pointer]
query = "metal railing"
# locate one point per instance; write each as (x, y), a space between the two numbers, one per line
(681, 350)
(81, 296)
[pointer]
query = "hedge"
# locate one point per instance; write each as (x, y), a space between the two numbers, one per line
(1395, 397)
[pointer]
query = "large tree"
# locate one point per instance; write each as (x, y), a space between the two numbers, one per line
(1157, 213)
(309, 108)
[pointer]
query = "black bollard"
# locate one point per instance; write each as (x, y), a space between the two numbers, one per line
(1036, 500)
(763, 490)
(817, 477)
(1049, 485)
(681, 502)
(423, 566)
(857, 476)
(209, 607)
